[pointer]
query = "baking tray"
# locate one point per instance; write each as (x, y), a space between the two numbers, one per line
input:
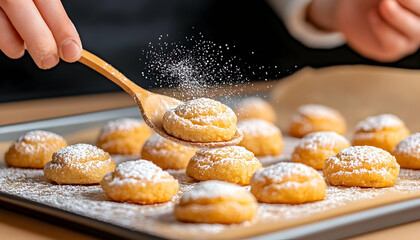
(401, 211)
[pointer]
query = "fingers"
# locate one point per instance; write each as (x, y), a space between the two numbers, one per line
(394, 44)
(10, 42)
(401, 19)
(411, 5)
(38, 38)
(65, 34)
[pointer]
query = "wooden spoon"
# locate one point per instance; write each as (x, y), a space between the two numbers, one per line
(152, 106)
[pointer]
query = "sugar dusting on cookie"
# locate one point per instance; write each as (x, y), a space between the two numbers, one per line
(122, 124)
(225, 155)
(79, 153)
(252, 101)
(257, 127)
(36, 140)
(317, 110)
(409, 145)
(361, 159)
(38, 136)
(378, 122)
(83, 157)
(322, 139)
(203, 111)
(284, 170)
(358, 155)
(211, 189)
(91, 201)
(140, 170)
(159, 146)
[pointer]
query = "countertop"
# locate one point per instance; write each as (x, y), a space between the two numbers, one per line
(18, 226)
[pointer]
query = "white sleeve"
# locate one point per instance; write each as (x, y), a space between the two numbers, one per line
(293, 14)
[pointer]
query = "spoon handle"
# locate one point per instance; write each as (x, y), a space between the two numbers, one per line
(111, 73)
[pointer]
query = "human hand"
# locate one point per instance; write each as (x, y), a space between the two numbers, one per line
(43, 27)
(383, 30)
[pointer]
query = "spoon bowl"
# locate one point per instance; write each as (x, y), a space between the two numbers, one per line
(152, 106)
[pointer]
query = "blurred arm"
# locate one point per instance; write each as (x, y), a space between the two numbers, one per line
(294, 14)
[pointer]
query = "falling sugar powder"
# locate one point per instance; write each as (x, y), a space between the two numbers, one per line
(197, 67)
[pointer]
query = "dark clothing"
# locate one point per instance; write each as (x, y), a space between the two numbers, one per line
(118, 31)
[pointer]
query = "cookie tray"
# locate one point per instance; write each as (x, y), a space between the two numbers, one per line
(388, 210)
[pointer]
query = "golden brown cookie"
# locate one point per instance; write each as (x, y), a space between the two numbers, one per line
(314, 148)
(166, 154)
(231, 164)
(140, 182)
(34, 149)
(124, 136)
(216, 202)
(315, 118)
(287, 182)
(79, 164)
(255, 107)
(384, 131)
(362, 166)
(201, 120)
(261, 137)
(407, 152)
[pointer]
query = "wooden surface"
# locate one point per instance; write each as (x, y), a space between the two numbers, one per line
(14, 226)
(17, 226)
(27, 111)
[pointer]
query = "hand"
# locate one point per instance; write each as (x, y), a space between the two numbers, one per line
(43, 27)
(383, 30)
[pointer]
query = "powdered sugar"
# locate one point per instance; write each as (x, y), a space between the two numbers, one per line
(158, 219)
(157, 141)
(122, 124)
(140, 170)
(207, 163)
(231, 153)
(358, 156)
(38, 136)
(37, 140)
(211, 190)
(378, 122)
(257, 127)
(317, 110)
(80, 153)
(283, 170)
(324, 139)
(83, 157)
(409, 145)
(361, 160)
(161, 147)
(202, 111)
(252, 101)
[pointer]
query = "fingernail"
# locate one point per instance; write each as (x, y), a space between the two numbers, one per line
(70, 50)
(49, 62)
